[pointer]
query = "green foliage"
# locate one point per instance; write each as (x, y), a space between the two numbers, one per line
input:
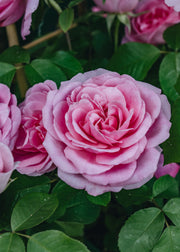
(172, 36)
(168, 75)
(173, 142)
(7, 73)
(10, 242)
(14, 55)
(141, 231)
(169, 241)
(166, 187)
(51, 240)
(32, 209)
(171, 209)
(134, 59)
(66, 19)
(41, 69)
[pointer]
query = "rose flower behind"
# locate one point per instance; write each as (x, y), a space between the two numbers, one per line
(155, 16)
(173, 3)
(10, 118)
(116, 6)
(29, 150)
(103, 131)
(12, 10)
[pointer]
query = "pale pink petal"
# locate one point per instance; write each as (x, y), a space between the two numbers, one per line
(31, 6)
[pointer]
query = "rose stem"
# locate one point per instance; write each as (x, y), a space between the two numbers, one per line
(20, 75)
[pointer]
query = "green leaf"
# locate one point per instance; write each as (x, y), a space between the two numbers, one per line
(169, 241)
(171, 147)
(73, 229)
(165, 187)
(15, 54)
(68, 63)
(133, 197)
(134, 59)
(7, 73)
(10, 242)
(172, 210)
(172, 36)
(51, 240)
(102, 200)
(42, 69)
(141, 231)
(74, 3)
(74, 205)
(168, 75)
(32, 209)
(66, 19)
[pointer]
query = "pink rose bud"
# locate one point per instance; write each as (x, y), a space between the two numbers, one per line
(29, 149)
(117, 6)
(10, 117)
(6, 166)
(149, 26)
(173, 3)
(171, 169)
(103, 131)
(12, 10)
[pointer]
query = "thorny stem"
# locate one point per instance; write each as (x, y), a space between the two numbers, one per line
(20, 75)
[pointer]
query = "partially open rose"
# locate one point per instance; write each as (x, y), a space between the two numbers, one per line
(103, 131)
(29, 151)
(12, 10)
(6, 166)
(116, 6)
(148, 27)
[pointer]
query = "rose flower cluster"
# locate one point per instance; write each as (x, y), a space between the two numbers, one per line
(100, 129)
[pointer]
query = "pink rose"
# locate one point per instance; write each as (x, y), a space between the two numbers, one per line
(12, 10)
(29, 150)
(173, 3)
(149, 27)
(117, 6)
(172, 169)
(103, 131)
(6, 166)
(10, 117)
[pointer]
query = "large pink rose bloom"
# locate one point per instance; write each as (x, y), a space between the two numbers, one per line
(10, 117)
(149, 27)
(103, 131)
(6, 166)
(12, 10)
(29, 150)
(173, 3)
(117, 6)
(171, 169)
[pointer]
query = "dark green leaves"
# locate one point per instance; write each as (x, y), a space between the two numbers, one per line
(15, 54)
(10, 242)
(41, 69)
(53, 240)
(134, 59)
(32, 209)
(169, 241)
(165, 187)
(168, 74)
(141, 231)
(172, 146)
(172, 36)
(66, 19)
(67, 62)
(172, 210)
(7, 73)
